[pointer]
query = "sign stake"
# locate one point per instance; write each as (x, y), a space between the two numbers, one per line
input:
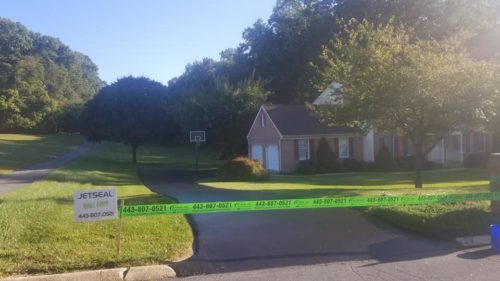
(119, 236)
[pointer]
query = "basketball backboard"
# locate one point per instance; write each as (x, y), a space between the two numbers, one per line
(197, 136)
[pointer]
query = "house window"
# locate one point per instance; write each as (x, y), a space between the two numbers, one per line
(479, 142)
(343, 148)
(303, 149)
(262, 120)
(389, 143)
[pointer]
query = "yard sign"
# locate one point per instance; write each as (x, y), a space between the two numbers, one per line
(95, 204)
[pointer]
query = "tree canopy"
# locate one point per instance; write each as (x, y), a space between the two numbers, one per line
(206, 98)
(424, 89)
(39, 77)
(131, 110)
(281, 50)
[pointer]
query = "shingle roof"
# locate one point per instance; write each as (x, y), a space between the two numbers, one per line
(297, 120)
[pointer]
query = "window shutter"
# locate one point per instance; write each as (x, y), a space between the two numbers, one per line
(336, 146)
(296, 149)
(403, 143)
(351, 147)
(312, 153)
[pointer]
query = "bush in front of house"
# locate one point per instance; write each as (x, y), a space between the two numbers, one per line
(326, 159)
(476, 160)
(384, 161)
(353, 165)
(242, 169)
(408, 164)
(306, 167)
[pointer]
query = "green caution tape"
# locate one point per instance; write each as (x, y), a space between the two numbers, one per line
(326, 202)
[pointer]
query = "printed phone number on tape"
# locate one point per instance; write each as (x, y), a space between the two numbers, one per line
(261, 205)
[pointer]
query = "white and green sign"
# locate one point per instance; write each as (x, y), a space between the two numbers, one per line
(95, 204)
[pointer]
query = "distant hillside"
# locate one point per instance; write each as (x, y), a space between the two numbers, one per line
(40, 78)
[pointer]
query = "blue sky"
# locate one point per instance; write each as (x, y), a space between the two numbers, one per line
(154, 38)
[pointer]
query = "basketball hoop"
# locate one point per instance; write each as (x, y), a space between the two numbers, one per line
(197, 137)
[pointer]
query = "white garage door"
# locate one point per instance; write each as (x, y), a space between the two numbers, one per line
(257, 153)
(272, 158)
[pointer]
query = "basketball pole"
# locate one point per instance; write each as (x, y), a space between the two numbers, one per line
(196, 152)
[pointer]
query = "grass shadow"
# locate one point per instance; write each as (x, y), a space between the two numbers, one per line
(385, 179)
(442, 221)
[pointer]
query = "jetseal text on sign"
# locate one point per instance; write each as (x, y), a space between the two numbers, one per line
(95, 204)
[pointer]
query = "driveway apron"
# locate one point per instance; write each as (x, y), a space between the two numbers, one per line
(228, 242)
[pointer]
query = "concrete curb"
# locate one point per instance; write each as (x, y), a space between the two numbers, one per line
(472, 241)
(135, 273)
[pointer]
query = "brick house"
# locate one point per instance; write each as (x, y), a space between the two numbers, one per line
(283, 135)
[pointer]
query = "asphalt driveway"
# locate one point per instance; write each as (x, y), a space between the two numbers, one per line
(229, 242)
(37, 171)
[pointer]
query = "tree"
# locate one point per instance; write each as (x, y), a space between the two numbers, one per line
(423, 89)
(429, 18)
(26, 103)
(206, 98)
(279, 51)
(39, 77)
(131, 110)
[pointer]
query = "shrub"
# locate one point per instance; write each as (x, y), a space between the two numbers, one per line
(326, 159)
(476, 160)
(242, 169)
(353, 165)
(408, 164)
(384, 161)
(306, 167)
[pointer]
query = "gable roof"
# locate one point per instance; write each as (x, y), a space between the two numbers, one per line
(330, 95)
(297, 120)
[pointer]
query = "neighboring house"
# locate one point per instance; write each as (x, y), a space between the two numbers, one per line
(283, 135)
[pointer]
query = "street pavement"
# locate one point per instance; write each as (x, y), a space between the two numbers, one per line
(470, 265)
(326, 240)
(35, 172)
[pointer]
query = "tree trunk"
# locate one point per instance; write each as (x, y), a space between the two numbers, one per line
(418, 166)
(134, 152)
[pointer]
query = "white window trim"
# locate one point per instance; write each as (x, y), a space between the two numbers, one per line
(308, 153)
(262, 120)
(346, 141)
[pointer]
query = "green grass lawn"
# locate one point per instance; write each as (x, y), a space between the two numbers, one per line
(438, 220)
(37, 231)
(368, 183)
(19, 151)
(177, 157)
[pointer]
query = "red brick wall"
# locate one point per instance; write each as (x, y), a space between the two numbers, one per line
(288, 159)
(288, 162)
(262, 135)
